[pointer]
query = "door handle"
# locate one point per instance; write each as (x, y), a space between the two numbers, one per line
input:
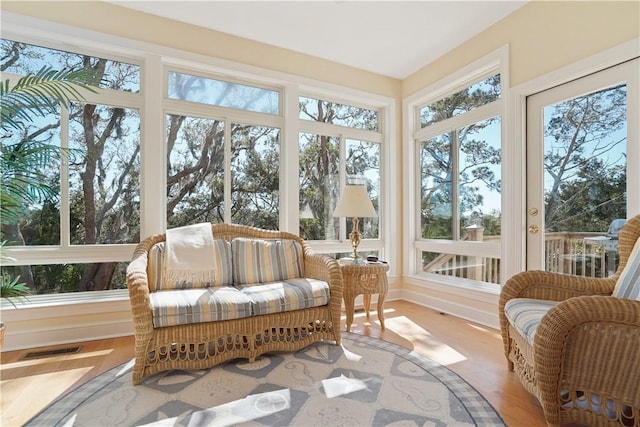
(533, 229)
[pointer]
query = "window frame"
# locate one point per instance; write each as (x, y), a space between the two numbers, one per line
(343, 133)
(65, 251)
(493, 63)
(154, 61)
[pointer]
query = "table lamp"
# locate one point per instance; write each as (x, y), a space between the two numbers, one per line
(355, 202)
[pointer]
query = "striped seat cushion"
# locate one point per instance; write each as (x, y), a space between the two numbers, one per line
(266, 260)
(222, 268)
(185, 306)
(287, 295)
(524, 314)
(628, 285)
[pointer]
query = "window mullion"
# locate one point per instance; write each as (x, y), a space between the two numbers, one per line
(153, 150)
(65, 211)
(290, 162)
(228, 178)
(455, 181)
(342, 179)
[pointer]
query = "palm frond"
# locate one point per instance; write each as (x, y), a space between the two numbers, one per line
(22, 178)
(41, 93)
(11, 290)
(23, 163)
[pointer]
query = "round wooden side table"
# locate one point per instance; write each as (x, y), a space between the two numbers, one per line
(364, 279)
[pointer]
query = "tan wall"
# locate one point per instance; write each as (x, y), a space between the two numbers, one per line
(542, 36)
(111, 19)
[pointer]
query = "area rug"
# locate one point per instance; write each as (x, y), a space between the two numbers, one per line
(363, 382)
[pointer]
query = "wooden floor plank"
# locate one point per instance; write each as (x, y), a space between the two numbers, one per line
(472, 351)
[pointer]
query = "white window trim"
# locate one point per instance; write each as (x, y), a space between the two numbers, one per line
(342, 133)
(514, 155)
(153, 60)
(492, 63)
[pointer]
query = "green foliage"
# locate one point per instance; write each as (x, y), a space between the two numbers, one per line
(40, 93)
(22, 178)
(11, 289)
(23, 159)
(22, 163)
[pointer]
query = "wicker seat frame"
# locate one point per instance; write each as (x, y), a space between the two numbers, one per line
(202, 345)
(585, 350)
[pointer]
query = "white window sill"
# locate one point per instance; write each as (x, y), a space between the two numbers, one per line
(454, 285)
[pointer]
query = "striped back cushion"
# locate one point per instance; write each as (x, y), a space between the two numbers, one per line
(222, 267)
(628, 285)
(265, 260)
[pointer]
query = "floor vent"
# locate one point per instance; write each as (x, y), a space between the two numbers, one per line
(49, 353)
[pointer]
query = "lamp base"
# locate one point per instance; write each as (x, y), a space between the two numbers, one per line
(354, 236)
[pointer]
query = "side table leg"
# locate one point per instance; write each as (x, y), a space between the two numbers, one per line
(380, 309)
(348, 308)
(366, 298)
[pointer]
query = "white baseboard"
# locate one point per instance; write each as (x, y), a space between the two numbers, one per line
(473, 305)
(83, 318)
(56, 335)
(38, 326)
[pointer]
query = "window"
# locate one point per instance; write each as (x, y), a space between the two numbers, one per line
(195, 170)
(225, 165)
(104, 193)
(212, 150)
(458, 146)
(225, 94)
(336, 154)
(339, 114)
(196, 173)
(93, 167)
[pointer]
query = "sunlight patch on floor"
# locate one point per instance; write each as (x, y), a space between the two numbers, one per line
(47, 380)
(423, 341)
(52, 359)
(359, 311)
(486, 330)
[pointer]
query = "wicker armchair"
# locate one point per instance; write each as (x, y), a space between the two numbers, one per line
(583, 361)
(202, 345)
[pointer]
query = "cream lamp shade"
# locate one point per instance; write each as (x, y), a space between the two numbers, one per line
(355, 202)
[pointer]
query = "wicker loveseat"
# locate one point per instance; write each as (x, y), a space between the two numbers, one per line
(574, 342)
(232, 320)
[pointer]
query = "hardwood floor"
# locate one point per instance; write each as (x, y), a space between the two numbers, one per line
(472, 351)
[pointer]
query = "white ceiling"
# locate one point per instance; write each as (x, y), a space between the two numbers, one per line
(393, 38)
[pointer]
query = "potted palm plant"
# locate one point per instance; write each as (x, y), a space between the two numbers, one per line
(22, 159)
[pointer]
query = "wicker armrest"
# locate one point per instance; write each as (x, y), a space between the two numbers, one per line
(599, 337)
(545, 285)
(323, 267)
(138, 285)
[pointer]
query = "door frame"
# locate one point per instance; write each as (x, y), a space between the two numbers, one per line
(514, 196)
(627, 73)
